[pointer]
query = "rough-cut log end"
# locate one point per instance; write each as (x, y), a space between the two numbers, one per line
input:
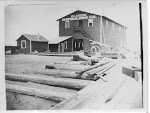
(49, 67)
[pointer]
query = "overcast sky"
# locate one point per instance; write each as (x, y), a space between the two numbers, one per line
(34, 19)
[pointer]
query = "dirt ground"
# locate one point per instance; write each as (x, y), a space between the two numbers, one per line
(29, 64)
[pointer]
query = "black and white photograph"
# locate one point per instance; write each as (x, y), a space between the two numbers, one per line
(75, 55)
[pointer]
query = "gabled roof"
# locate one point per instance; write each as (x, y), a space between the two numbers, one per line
(79, 12)
(37, 38)
(59, 39)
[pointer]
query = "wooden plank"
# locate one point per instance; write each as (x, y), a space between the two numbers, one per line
(108, 92)
(54, 81)
(130, 97)
(119, 95)
(107, 68)
(103, 90)
(101, 63)
(55, 96)
(100, 68)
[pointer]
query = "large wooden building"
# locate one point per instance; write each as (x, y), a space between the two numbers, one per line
(30, 43)
(77, 28)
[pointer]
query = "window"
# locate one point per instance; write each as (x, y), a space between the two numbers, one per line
(67, 24)
(112, 25)
(23, 43)
(75, 44)
(65, 45)
(90, 22)
(107, 23)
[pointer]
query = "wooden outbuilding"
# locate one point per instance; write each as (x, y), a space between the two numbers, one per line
(31, 43)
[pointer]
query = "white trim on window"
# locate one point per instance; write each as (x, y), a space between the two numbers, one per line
(22, 44)
(75, 45)
(66, 45)
(90, 22)
(67, 24)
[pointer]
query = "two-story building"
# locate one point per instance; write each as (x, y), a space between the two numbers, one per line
(78, 28)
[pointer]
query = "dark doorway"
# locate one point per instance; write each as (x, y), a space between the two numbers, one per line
(77, 44)
(80, 23)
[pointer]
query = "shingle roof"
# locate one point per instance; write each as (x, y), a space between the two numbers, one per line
(59, 39)
(37, 38)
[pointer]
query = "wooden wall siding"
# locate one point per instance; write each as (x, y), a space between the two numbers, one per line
(53, 47)
(80, 35)
(23, 50)
(113, 37)
(39, 46)
(69, 45)
(93, 32)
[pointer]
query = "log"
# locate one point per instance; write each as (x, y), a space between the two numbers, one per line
(53, 81)
(46, 94)
(70, 62)
(65, 74)
(70, 67)
(79, 58)
(102, 62)
(49, 67)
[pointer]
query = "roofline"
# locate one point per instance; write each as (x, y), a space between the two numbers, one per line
(76, 11)
(93, 14)
(115, 21)
(31, 40)
(62, 40)
(24, 36)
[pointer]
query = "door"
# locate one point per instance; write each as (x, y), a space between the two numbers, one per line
(78, 23)
(77, 44)
(62, 47)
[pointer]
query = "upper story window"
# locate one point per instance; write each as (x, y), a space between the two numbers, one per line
(90, 22)
(113, 26)
(67, 24)
(107, 23)
(23, 43)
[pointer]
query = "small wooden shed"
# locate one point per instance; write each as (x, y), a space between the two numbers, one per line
(30, 43)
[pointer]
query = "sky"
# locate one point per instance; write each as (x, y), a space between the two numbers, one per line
(34, 19)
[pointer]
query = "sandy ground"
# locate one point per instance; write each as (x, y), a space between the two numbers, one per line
(29, 64)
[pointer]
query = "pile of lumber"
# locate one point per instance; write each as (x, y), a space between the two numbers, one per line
(119, 92)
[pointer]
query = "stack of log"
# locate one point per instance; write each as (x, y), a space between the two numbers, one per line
(71, 75)
(80, 69)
